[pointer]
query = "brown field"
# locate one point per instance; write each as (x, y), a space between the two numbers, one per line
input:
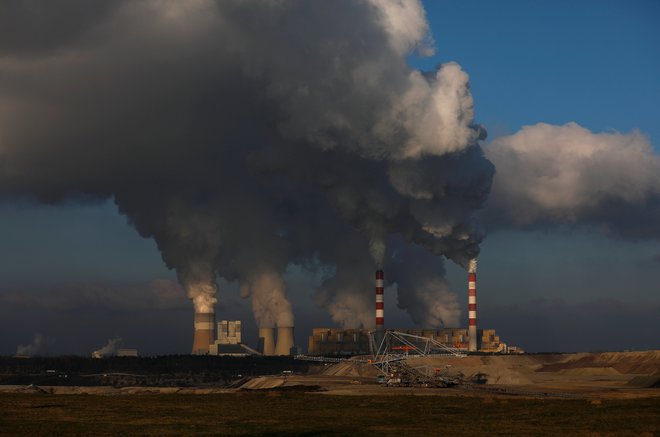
(280, 413)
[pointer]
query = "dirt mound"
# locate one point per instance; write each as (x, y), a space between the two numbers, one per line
(647, 362)
(591, 371)
(347, 368)
(261, 383)
(506, 377)
(645, 382)
(31, 389)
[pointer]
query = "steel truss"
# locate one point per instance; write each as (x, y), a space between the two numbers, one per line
(393, 359)
(396, 351)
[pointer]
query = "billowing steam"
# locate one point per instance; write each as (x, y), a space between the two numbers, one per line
(243, 136)
(269, 302)
(110, 349)
(35, 348)
(568, 174)
(422, 289)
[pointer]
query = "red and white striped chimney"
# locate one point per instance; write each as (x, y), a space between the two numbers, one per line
(472, 304)
(380, 302)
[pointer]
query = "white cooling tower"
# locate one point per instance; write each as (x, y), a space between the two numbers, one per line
(284, 340)
(267, 339)
(204, 333)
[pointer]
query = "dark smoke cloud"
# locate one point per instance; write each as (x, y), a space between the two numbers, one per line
(33, 27)
(159, 293)
(243, 136)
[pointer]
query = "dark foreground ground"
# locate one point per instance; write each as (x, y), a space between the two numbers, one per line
(282, 413)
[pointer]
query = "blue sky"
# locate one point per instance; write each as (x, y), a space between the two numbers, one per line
(593, 62)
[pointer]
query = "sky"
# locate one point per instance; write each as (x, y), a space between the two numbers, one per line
(76, 273)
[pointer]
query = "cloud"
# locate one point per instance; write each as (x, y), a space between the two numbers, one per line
(158, 293)
(224, 130)
(567, 174)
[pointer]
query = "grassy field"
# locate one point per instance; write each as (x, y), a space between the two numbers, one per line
(275, 413)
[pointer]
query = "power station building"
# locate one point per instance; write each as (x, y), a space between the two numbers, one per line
(338, 342)
(324, 341)
(228, 341)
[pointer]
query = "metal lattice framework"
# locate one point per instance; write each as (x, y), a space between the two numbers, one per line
(412, 346)
(396, 351)
(393, 358)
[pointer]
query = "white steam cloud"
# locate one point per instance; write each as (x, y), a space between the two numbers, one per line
(109, 349)
(568, 174)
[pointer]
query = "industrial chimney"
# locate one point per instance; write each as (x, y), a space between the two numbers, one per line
(380, 307)
(284, 340)
(267, 341)
(472, 305)
(204, 333)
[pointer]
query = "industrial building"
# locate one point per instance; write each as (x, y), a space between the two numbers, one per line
(325, 341)
(329, 341)
(228, 341)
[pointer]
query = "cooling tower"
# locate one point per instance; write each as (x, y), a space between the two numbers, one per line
(284, 340)
(380, 307)
(204, 328)
(472, 305)
(267, 339)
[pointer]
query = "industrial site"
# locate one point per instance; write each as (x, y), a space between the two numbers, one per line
(335, 217)
(380, 361)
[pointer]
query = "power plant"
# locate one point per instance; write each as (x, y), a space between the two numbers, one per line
(332, 341)
(229, 338)
(344, 342)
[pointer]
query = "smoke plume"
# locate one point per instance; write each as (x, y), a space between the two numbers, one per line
(109, 349)
(34, 348)
(243, 136)
(422, 290)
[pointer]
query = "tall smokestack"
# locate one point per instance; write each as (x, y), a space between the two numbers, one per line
(204, 333)
(284, 340)
(472, 304)
(267, 340)
(380, 306)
